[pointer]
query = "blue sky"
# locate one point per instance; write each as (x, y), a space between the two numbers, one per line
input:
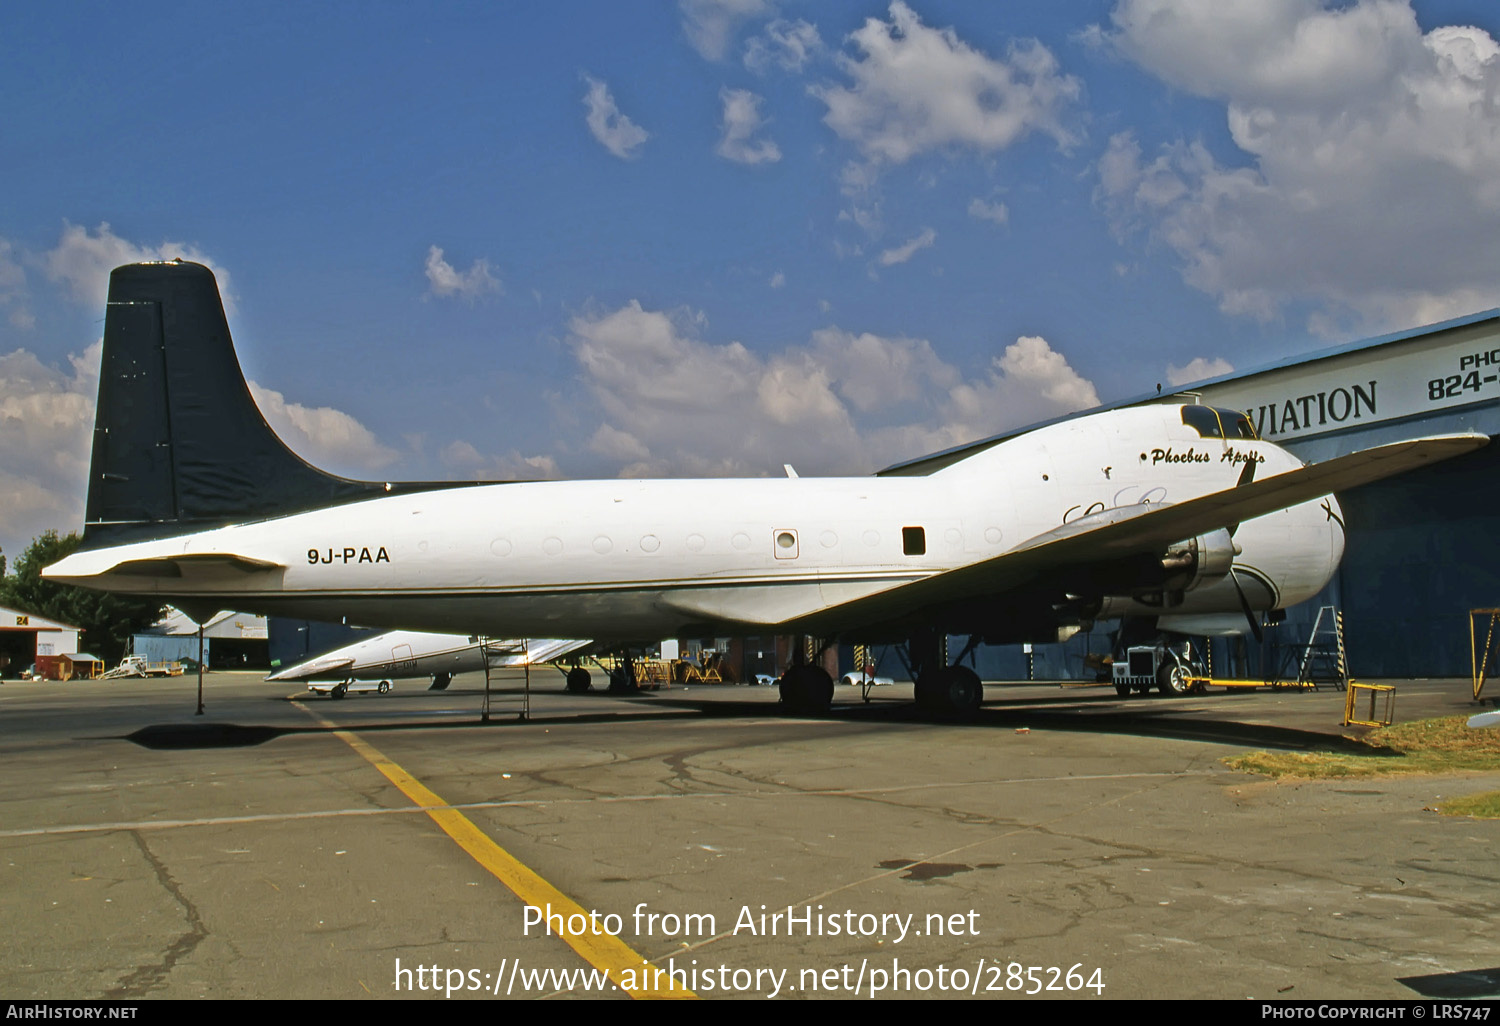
(709, 238)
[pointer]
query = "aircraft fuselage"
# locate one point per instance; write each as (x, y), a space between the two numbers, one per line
(657, 558)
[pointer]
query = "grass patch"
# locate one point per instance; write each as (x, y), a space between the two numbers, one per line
(1480, 806)
(1445, 745)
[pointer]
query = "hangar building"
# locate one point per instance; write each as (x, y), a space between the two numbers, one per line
(1422, 548)
(231, 641)
(27, 639)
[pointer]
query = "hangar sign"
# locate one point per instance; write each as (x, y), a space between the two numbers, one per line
(1366, 387)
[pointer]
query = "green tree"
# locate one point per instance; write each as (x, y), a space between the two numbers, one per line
(107, 620)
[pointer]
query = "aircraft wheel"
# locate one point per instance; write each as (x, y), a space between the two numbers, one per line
(953, 692)
(385, 686)
(339, 691)
(806, 690)
(1171, 679)
(440, 682)
(579, 680)
(619, 680)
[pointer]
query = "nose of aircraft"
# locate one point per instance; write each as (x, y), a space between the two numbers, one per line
(1335, 522)
(309, 669)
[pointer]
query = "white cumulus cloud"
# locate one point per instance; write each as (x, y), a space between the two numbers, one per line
(463, 460)
(1027, 383)
(786, 44)
(711, 24)
(916, 88)
(326, 437)
(1366, 185)
(614, 131)
(904, 252)
(997, 212)
(46, 430)
(443, 280)
(1199, 368)
(82, 261)
(742, 120)
(674, 404)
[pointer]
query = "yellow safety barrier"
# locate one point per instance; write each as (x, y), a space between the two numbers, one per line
(1375, 690)
(1481, 662)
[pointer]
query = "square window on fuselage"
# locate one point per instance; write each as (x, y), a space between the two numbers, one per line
(914, 541)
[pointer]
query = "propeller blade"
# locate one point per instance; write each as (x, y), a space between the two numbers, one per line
(1245, 605)
(1246, 476)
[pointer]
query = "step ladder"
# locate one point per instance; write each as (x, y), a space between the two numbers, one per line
(503, 694)
(1323, 660)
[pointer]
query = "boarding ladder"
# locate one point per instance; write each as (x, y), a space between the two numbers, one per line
(1323, 659)
(503, 693)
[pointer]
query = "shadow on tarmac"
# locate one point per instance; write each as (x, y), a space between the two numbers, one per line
(1091, 714)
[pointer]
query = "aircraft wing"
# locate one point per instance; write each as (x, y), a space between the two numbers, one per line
(1140, 530)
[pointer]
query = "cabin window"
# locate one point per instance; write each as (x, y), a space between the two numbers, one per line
(785, 544)
(914, 541)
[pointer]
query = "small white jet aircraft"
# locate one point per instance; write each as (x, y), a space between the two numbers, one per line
(1135, 512)
(407, 655)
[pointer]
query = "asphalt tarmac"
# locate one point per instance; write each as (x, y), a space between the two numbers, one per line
(1068, 844)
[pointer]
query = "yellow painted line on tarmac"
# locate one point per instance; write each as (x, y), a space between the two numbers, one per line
(627, 968)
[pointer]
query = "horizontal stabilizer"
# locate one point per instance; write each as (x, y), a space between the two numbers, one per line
(536, 650)
(89, 565)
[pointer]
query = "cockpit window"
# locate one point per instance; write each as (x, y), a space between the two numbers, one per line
(1212, 422)
(1204, 420)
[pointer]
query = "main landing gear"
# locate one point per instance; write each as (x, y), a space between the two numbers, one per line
(944, 691)
(622, 678)
(949, 692)
(806, 689)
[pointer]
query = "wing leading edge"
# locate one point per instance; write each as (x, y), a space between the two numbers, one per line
(1139, 530)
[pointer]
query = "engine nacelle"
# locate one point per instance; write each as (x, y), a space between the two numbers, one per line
(1185, 565)
(1203, 559)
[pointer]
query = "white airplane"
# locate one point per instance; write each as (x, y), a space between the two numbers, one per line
(1134, 512)
(406, 655)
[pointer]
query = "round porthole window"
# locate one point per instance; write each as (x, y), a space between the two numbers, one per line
(786, 540)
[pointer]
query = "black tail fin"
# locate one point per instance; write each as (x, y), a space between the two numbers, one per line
(179, 444)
